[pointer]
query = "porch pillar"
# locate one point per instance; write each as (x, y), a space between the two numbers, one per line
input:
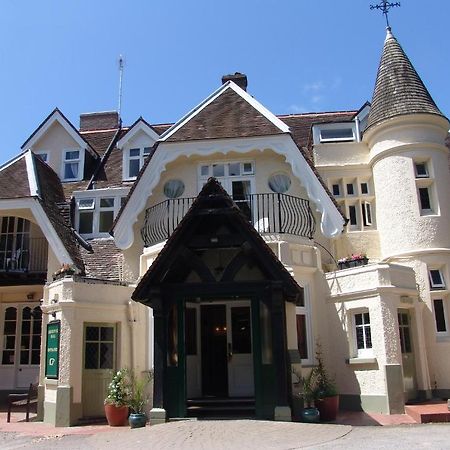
(282, 410)
(158, 413)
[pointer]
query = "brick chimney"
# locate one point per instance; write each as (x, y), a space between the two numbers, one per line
(239, 78)
(105, 120)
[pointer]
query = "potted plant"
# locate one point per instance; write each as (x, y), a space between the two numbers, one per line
(64, 270)
(117, 399)
(309, 413)
(355, 260)
(138, 400)
(326, 395)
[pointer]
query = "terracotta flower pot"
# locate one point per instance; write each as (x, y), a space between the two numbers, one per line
(116, 415)
(328, 408)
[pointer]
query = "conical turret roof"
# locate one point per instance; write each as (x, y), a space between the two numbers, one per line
(398, 89)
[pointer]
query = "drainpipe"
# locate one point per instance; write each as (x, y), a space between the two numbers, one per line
(131, 322)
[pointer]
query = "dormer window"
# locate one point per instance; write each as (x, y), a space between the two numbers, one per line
(334, 132)
(135, 158)
(337, 134)
(71, 165)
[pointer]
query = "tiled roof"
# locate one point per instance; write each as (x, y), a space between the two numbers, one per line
(227, 116)
(51, 195)
(99, 140)
(105, 260)
(14, 180)
(214, 197)
(301, 124)
(398, 89)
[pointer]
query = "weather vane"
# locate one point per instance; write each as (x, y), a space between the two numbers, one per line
(385, 6)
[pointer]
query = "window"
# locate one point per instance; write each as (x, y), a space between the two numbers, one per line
(337, 134)
(424, 199)
(363, 335)
(421, 170)
(352, 215)
(436, 279)
(14, 243)
(279, 183)
(364, 188)
(304, 333)
(71, 165)
(22, 336)
(336, 190)
(99, 347)
(440, 315)
(173, 188)
(366, 214)
(95, 216)
(135, 158)
(350, 189)
(43, 156)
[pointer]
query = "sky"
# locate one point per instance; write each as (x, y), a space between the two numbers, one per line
(299, 55)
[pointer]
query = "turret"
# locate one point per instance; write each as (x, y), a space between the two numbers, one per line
(406, 136)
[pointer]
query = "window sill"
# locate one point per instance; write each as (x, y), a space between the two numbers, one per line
(50, 381)
(360, 360)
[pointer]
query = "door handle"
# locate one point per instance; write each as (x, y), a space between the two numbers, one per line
(230, 352)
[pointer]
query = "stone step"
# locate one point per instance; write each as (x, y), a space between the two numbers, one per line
(429, 412)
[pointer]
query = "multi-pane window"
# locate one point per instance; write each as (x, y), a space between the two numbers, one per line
(14, 243)
(236, 178)
(43, 156)
(363, 334)
(135, 160)
(71, 165)
(96, 215)
(404, 332)
(99, 347)
(303, 321)
(22, 336)
(355, 197)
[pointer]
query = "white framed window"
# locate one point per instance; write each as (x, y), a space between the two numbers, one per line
(440, 316)
(95, 215)
(337, 134)
(134, 160)
(362, 334)
(436, 279)
(72, 165)
(336, 189)
(425, 203)
(352, 216)
(426, 195)
(304, 328)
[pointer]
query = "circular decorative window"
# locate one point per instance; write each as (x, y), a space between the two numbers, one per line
(173, 188)
(279, 183)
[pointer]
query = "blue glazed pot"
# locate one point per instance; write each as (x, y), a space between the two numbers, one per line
(310, 415)
(137, 420)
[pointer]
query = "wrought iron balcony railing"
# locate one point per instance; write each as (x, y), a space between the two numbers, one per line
(269, 213)
(18, 253)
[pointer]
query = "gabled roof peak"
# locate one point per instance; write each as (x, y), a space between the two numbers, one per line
(399, 89)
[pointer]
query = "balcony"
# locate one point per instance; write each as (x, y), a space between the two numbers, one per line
(29, 256)
(269, 214)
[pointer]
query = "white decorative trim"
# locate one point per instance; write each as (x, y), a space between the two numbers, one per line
(56, 116)
(217, 93)
(31, 172)
(12, 161)
(332, 222)
(44, 223)
(140, 125)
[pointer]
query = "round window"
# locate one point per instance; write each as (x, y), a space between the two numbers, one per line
(279, 183)
(173, 188)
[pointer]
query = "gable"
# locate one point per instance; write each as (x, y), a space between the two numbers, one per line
(215, 243)
(228, 116)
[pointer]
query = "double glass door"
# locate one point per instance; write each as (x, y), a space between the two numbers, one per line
(219, 355)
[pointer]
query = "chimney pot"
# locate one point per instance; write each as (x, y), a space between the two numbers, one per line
(239, 78)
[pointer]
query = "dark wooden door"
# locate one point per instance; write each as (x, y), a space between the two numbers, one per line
(214, 351)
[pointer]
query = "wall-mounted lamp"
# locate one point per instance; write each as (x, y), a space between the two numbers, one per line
(30, 296)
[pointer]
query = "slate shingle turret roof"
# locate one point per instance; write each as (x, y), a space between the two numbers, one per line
(399, 89)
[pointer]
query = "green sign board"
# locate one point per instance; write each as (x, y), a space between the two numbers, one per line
(52, 349)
